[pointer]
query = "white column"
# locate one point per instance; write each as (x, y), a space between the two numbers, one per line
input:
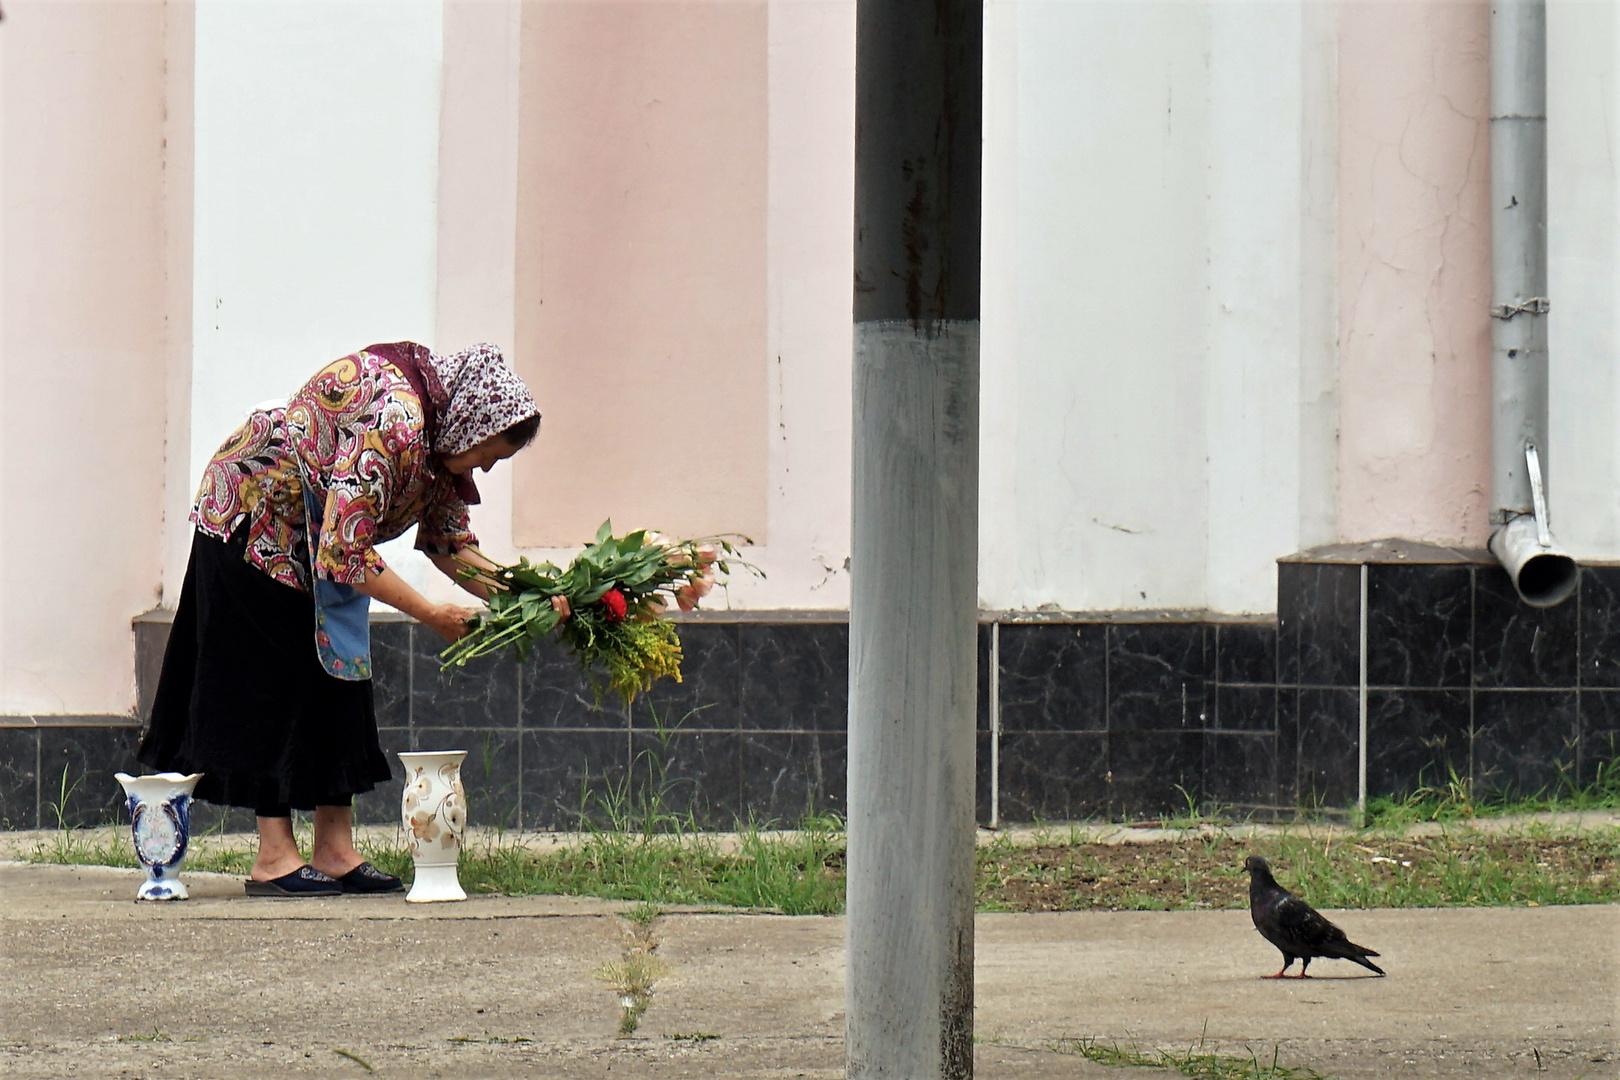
(1106, 227)
(809, 218)
(1318, 422)
(1255, 301)
(1000, 491)
(1583, 248)
(316, 225)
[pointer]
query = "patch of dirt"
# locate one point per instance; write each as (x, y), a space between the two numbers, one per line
(1208, 873)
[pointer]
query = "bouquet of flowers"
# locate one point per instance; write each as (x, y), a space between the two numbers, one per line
(607, 607)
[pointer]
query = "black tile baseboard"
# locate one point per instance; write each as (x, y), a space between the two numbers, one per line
(1115, 714)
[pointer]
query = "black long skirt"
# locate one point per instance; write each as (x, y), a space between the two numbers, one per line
(243, 698)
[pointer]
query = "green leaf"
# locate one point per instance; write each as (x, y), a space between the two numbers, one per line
(605, 532)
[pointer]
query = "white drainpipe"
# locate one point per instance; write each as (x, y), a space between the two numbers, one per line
(1521, 538)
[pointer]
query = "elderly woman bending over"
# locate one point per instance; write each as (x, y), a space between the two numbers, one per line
(266, 682)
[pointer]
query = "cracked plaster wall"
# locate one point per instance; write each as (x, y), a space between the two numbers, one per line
(1154, 301)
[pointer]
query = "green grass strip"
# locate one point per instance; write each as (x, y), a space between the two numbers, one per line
(803, 873)
(640, 843)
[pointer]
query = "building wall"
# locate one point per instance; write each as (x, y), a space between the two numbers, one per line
(82, 348)
(1236, 266)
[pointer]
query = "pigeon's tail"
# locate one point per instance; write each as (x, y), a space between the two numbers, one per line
(1357, 954)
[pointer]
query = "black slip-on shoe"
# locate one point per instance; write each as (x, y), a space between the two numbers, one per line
(366, 878)
(304, 881)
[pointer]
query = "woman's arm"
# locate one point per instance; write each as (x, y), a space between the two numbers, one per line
(449, 621)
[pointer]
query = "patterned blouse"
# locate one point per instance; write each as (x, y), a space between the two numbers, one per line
(356, 432)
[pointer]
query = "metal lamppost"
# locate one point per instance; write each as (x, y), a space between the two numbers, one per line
(913, 613)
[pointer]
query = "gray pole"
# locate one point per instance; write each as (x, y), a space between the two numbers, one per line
(1521, 535)
(913, 613)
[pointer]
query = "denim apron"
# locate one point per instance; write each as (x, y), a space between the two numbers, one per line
(342, 612)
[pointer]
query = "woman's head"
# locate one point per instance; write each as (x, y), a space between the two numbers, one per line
(490, 411)
(497, 447)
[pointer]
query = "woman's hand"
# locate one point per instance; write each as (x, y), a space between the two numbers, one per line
(559, 604)
(450, 621)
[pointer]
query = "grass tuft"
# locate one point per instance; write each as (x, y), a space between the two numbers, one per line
(633, 978)
(643, 914)
(1196, 1062)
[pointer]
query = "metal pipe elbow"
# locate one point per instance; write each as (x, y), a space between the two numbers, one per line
(1543, 574)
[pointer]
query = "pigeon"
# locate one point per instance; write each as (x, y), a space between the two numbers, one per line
(1294, 926)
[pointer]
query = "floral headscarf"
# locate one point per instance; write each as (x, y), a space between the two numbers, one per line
(485, 398)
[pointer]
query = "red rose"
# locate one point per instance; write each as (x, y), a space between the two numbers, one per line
(613, 600)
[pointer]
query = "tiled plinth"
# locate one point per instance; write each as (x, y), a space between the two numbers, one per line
(1459, 677)
(1124, 716)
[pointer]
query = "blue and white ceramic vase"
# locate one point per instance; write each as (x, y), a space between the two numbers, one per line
(160, 823)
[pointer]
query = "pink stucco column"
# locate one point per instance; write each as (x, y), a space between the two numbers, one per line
(641, 267)
(83, 349)
(1414, 271)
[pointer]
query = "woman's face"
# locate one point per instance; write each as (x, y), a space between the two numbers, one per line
(483, 456)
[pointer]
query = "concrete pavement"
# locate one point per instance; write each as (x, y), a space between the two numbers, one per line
(227, 986)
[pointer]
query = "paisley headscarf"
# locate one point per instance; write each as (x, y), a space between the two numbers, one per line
(485, 398)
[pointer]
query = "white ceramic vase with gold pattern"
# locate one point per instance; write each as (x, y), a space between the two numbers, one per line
(434, 811)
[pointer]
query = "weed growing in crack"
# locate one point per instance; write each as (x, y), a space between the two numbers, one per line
(643, 914)
(638, 970)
